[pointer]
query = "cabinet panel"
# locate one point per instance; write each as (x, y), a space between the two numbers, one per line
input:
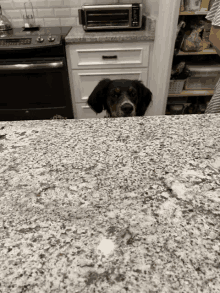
(109, 55)
(84, 81)
(85, 112)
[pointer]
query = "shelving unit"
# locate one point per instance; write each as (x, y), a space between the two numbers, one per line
(185, 93)
(211, 51)
(205, 52)
(193, 13)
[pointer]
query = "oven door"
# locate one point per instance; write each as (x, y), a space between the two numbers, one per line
(34, 89)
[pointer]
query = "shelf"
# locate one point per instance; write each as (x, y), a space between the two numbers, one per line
(193, 13)
(193, 93)
(204, 52)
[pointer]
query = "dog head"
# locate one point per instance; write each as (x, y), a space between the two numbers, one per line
(120, 98)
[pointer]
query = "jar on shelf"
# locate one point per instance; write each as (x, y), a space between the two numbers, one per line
(192, 5)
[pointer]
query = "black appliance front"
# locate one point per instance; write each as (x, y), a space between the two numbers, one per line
(34, 89)
(34, 82)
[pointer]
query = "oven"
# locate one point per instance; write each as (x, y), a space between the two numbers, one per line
(34, 82)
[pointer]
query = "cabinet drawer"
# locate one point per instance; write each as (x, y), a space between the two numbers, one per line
(84, 81)
(109, 55)
(83, 111)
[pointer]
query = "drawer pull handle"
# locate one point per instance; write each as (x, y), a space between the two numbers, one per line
(85, 107)
(110, 57)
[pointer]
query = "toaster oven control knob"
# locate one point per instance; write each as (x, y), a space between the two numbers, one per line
(50, 39)
(39, 39)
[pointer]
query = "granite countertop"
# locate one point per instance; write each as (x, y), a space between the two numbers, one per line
(146, 33)
(110, 205)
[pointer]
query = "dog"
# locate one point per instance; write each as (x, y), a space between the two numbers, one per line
(120, 98)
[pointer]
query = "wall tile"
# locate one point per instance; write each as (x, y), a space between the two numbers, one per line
(55, 3)
(62, 12)
(6, 5)
(20, 22)
(74, 12)
(106, 1)
(17, 22)
(39, 21)
(18, 3)
(39, 3)
(68, 21)
(29, 12)
(130, 1)
(45, 12)
(52, 21)
(72, 3)
(17, 13)
(87, 2)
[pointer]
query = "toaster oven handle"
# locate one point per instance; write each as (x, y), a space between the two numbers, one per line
(110, 57)
(81, 16)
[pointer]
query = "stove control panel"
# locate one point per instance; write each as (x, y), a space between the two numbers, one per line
(15, 42)
(30, 42)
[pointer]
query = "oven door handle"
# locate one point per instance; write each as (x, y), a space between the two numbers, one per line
(29, 66)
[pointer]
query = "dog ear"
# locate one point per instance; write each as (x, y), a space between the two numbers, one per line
(97, 98)
(144, 98)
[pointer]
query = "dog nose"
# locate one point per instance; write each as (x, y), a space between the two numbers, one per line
(127, 108)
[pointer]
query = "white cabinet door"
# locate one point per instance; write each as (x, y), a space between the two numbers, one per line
(85, 112)
(84, 81)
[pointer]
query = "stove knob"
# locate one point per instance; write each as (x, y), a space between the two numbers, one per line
(39, 39)
(50, 39)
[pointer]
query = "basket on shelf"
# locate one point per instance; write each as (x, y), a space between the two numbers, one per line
(176, 86)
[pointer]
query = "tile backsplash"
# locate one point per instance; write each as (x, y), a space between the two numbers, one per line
(51, 12)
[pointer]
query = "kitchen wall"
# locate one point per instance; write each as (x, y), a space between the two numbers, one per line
(61, 12)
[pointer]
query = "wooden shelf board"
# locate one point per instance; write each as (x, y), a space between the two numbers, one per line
(207, 51)
(193, 13)
(193, 93)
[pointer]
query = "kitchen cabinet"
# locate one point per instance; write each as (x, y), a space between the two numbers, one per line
(158, 54)
(84, 81)
(90, 63)
(161, 41)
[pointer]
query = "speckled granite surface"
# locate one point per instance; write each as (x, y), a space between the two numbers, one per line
(110, 205)
(147, 33)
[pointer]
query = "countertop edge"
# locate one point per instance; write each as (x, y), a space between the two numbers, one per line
(78, 35)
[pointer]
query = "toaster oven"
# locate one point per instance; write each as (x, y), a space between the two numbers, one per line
(110, 16)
